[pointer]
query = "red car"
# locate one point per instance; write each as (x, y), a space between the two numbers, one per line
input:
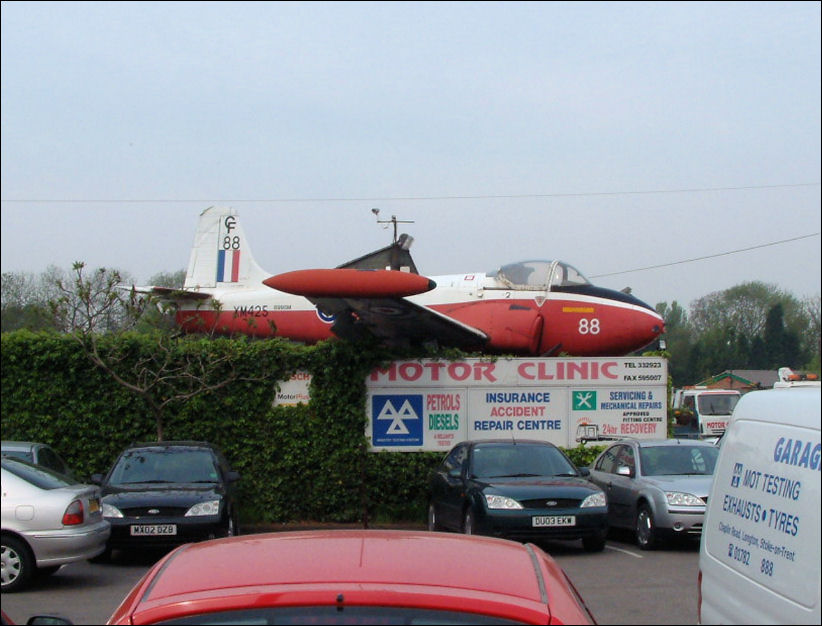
(355, 577)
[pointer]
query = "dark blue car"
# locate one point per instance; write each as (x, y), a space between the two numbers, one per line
(524, 490)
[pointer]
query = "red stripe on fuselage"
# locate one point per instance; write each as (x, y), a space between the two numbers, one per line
(304, 326)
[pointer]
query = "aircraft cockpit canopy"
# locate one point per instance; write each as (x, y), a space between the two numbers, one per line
(541, 275)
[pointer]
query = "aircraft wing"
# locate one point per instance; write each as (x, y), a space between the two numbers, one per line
(398, 321)
(366, 296)
(168, 293)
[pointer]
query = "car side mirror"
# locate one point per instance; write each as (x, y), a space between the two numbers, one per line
(232, 476)
(455, 472)
(584, 471)
(624, 470)
(97, 479)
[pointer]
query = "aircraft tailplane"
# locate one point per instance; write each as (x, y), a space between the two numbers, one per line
(220, 256)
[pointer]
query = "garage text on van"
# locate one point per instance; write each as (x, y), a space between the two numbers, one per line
(798, 453)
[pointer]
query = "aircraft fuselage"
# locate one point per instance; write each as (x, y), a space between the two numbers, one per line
(516, 321)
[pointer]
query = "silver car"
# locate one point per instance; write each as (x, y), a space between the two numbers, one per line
(657, 488)
(48, 520)
(40, 453)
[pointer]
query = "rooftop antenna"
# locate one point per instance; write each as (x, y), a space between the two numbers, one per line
(393, 221)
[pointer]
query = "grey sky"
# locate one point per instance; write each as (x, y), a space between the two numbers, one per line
(505, 131)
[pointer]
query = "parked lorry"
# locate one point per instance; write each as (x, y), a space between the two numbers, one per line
(700, 412)
(789, 378)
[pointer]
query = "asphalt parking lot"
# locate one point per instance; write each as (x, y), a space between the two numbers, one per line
(621, 585)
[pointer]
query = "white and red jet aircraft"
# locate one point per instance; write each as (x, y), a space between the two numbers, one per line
(527, 308)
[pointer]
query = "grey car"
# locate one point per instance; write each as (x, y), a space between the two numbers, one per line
(657, 488)
(48, 520)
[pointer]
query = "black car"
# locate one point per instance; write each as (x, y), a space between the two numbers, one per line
(525, 490)
(168, 493)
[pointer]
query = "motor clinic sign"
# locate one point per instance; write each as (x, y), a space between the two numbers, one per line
(432, 404)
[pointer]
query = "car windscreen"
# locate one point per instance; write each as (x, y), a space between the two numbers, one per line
(340, 615)
(165, 465)
(37, 475)
(511, 460)
(678, 460)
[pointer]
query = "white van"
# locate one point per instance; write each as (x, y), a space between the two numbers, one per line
(759, 559)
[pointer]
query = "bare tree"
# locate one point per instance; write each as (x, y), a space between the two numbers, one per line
(161, 367)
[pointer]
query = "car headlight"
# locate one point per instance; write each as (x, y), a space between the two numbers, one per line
(677, 498)
(212, 507)
(111, 511)
(595, 499)
(501, 502)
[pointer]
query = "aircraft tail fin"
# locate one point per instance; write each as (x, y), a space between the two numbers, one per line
(394, 257)
(221, 255)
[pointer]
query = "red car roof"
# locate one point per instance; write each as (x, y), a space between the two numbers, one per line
(370, 567)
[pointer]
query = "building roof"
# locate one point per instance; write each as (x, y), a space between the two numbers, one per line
(742, 379)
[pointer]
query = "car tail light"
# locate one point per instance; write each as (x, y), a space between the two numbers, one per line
(73, 514)
(699, 597)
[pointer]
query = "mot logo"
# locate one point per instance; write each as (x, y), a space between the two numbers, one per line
(737, 474)
(397, 420)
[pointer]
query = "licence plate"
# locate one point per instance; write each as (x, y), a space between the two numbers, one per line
(93, 505)
(144, 530)
(538, 521)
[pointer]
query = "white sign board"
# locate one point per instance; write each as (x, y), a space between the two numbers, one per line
(432, 404)
(294, 391)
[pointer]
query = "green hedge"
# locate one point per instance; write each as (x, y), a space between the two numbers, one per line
(305, 462)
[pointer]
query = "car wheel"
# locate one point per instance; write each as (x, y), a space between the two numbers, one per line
(433, 524)
(645, 528)
(594, 543)
(18, 565)
(468, 522)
